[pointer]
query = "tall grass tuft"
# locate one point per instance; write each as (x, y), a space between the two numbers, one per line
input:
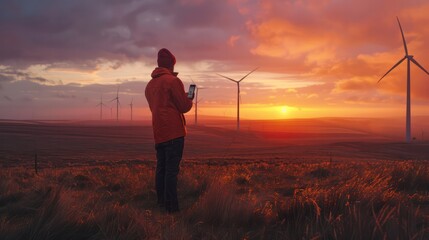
(55, 219)
(337, 214)
(411, 178)
(120, 222)
(320, 172)
(220, 206)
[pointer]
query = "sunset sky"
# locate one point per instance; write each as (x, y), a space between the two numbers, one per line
(316, 58)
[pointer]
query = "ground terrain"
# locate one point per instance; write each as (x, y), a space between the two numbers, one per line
(297, 179)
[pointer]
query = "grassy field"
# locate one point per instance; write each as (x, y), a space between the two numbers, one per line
(98, 183)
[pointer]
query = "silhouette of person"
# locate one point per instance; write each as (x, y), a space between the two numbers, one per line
(168, 101)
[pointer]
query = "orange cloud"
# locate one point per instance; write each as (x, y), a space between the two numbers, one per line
(280, 38)
(232, 40)
(355, 84)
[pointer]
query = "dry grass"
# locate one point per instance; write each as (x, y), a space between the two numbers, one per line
(411, 177)
(256, 200)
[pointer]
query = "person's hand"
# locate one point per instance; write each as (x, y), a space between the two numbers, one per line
(193, 95)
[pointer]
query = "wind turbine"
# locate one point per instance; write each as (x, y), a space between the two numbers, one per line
(410, 58)
(196, 100)
(101, 104)
(131, 105)
(196, 103)
(238, 94)
(117, 104)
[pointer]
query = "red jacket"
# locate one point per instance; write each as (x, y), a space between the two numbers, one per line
(168, 101)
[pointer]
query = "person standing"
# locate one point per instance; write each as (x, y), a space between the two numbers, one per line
(168, 101)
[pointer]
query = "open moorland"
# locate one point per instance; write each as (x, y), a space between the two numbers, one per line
(288, 179)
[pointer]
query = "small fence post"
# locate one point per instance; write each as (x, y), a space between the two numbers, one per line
(35, 163)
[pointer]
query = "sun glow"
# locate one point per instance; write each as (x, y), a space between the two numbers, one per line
(263, 112)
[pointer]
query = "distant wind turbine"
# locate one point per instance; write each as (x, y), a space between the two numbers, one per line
(196, 103)
(238, 94)
(196, 100)
(409, 58)
(117, 104)
(101, 104)
(131, 105)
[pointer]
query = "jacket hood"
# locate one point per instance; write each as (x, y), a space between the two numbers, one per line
(159, 71)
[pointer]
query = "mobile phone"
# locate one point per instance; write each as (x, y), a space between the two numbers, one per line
(191, 91)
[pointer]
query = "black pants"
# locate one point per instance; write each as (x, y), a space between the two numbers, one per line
(168, 155)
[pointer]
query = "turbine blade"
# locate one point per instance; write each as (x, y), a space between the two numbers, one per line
(227, 78)
(247, 74)
(418, 65)
(394, 66)
(113, 100)
(403, 38)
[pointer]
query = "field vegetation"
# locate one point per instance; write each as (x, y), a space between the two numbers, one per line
(221, 200)
(303, 179)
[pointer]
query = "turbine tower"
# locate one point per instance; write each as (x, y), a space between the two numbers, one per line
(409, 58)
(196, 103)
(238, 94)
(117, 104)
(101, 104)
(131, 105)
(196, 100)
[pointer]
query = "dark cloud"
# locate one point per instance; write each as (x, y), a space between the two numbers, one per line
(4, 78)
(82, 31)
(64, 95)
(7, 98)
(12, 74)
(40, 79)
